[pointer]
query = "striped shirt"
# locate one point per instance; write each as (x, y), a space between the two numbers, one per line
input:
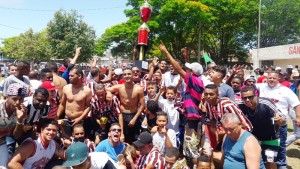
(225, 105)
(153, 157)
(7, 124)
(53, 109)
(110, 109)
(142, 83)
(192, 96)
(33, 114)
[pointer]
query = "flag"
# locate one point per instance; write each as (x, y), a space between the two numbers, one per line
(207, 58)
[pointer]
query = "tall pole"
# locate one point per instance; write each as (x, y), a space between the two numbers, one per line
(258, 34)
(199, 43)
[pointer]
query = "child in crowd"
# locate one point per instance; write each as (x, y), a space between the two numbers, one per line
(168, 105)
(131, 157)
(151, 90)
(150, 111)
(162, 136)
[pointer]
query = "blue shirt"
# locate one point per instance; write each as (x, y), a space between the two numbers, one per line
(113, 152)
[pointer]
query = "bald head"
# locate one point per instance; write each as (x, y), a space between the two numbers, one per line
(33, 75)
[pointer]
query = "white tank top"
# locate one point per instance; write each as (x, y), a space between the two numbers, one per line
(41, 155)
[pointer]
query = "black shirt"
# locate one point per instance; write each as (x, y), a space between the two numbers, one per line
(262, 119)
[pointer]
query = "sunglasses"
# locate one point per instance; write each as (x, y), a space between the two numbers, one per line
(248, 97)
(135, 71)
(114, 130)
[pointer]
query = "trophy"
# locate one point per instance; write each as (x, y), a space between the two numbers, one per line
(145, 14)
(103, 121)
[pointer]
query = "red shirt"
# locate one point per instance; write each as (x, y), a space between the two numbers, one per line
(285, 83)
(261, 78)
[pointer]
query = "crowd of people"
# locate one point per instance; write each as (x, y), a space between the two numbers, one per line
(170, 116)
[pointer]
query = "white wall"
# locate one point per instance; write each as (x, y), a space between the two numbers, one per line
(284, 52)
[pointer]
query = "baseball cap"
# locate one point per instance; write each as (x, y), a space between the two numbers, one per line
(278, 68)
(118, 71)
(76, 154)
(196, 68)
(250, 77)
(16, 89)
(48, 85)
(290, 67)
(62, 69)
(282, 73)
(144, 138)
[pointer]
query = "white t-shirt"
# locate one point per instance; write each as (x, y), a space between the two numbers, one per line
(282, 96)
(100, 159)
(172, 80)
(173, 115)
(35, 84)
(159, 140)
(205, 80)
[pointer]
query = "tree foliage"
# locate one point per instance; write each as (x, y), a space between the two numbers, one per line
(29, 45)
(226, 26)
(280, 22)
(68, 31)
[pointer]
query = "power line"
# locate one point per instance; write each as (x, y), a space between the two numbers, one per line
(52, 10)
(12, 27)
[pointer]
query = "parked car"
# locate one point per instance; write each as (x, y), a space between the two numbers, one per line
(3, 70)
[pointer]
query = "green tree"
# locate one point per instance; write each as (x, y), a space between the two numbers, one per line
(280, 22)
(186, 15)
(231, 29)
(29, 45)
(68, 31)
(227, 27)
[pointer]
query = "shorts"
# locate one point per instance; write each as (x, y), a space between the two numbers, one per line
(191, 146)
(269, 150)
(131, 133)
(68, 126)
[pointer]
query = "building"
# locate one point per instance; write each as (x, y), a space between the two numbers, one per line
(278, 55)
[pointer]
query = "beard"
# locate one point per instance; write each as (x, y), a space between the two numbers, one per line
(80, 139)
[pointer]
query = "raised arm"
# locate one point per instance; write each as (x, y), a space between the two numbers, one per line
(108, 78)
(21, 115)
(77, 53)
(151, 67)
(94, 63)
(173, 62)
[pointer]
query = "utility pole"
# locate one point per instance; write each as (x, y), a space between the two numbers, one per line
(199, 43)
(259, 34)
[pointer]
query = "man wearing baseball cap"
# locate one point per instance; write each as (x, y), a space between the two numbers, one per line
(193, 93)
(78, 157)
(49, 85)
(150, 156)
(12, 113)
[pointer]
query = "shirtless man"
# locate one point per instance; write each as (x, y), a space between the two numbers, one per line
(132, 104)
(75, 101)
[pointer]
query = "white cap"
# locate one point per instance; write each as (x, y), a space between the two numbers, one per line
(118, 71)
(278, 68)
(290, 67)
(196, 68)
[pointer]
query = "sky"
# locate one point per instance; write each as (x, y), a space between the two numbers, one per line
(17, 16)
